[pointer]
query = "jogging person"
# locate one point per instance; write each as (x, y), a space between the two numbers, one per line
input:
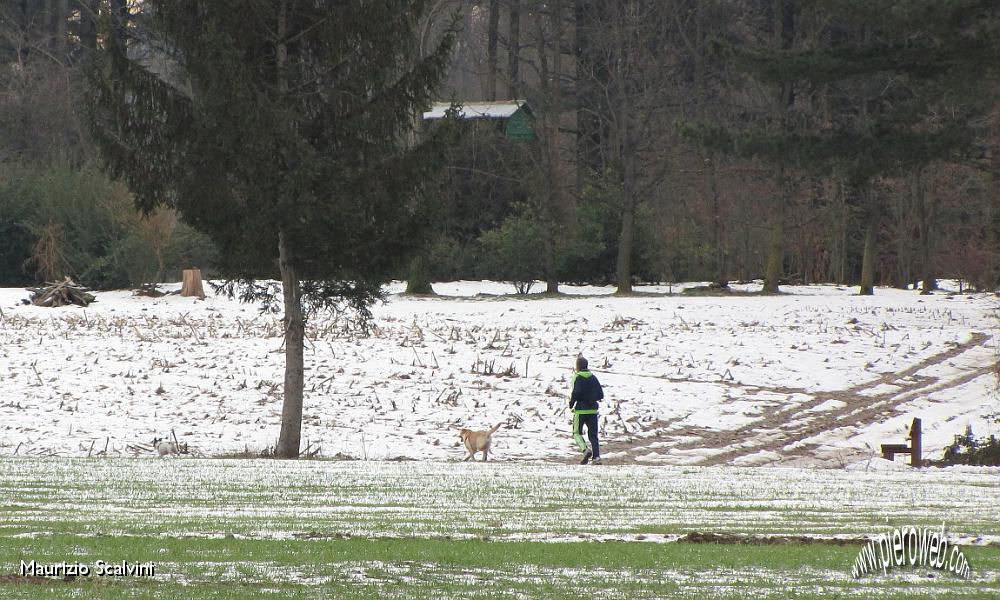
(587, 392)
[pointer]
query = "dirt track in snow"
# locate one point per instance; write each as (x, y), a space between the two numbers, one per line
(787, 427)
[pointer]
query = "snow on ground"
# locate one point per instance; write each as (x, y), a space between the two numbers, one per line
(818, 376)
(505, 500)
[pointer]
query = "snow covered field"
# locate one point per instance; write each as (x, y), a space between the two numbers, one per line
(266, 499)
(818, 376)
(353, 529)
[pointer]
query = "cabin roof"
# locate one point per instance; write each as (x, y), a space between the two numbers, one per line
(477, 110)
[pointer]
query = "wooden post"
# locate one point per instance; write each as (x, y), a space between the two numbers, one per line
(915, 458)
(192, 285)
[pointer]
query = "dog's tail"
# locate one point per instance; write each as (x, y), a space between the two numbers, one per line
(495, 427)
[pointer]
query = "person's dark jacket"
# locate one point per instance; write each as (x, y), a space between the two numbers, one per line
(587, 392)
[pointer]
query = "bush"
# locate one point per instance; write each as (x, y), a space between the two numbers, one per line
(512, 252)
(967, 450)
(450, 259)
(58, 221)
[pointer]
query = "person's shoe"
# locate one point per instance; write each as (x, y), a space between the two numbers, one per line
(596, 461)
(586, 456)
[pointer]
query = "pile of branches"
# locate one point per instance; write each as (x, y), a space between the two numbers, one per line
(62, 293)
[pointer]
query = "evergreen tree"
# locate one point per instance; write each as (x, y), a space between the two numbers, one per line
(279, 128)
(902, 83)
(910, 81)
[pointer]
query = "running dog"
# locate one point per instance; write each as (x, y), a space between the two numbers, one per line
(477, 441)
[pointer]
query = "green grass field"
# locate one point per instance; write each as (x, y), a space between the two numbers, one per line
(228, 528)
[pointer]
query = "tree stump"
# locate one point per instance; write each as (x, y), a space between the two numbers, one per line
(192, 285)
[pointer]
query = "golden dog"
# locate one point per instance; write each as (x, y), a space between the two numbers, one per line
(477, 441)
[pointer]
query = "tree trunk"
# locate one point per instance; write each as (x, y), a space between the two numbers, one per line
(992, 216)
(626, 240)
(868, 262)
(844, 220)
(418, 280)
(925, 215)
(514, 48)
(776, 250)
(558, 176)
(119, 21)
(60, 41)
(491, 50)
(993, 232)
(551, 278)
(625, 160)
(783, 29)
(718, 228)
(290, 435)
(88, 23)
(551, 167)
(710, 181)
(294, 322)
(904, 206)
(191, 283)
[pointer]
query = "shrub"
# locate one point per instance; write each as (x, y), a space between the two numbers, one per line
(512, 252)
(968, 450)
(58, 221)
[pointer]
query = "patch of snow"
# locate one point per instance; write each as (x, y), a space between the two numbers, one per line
(125, 369)
(828, 405)
(877, 464)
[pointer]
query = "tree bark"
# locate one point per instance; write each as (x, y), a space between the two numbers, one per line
(418, 280)
(557, 164)
(626, 158)
(925, 216)
(192, 283)
(514, 48)
(710, 180)
(718, 228)
(844, 218)
(60, 41)
(88, 23)
(992, 216)
(775, 255)
(491, 50)
(993, 230)
(551, 279)
(626, 241)
(868, 262)
(551, 166)
(903, 206)
(290, 436)
(783, 15)
(119, 21)
(776, 249)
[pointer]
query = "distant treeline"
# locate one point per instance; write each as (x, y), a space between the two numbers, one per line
(719, 140)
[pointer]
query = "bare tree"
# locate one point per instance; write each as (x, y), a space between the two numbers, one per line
(514, 47)
(547, 52)
(632, 63)
(491, 48)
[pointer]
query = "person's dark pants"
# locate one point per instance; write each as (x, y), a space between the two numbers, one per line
(590, 420)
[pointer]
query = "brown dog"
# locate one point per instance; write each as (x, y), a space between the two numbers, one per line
(477, 441)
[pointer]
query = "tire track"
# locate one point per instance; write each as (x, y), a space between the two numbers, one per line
(782, 425)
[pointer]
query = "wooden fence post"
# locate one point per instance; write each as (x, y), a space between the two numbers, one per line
(915, 445)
